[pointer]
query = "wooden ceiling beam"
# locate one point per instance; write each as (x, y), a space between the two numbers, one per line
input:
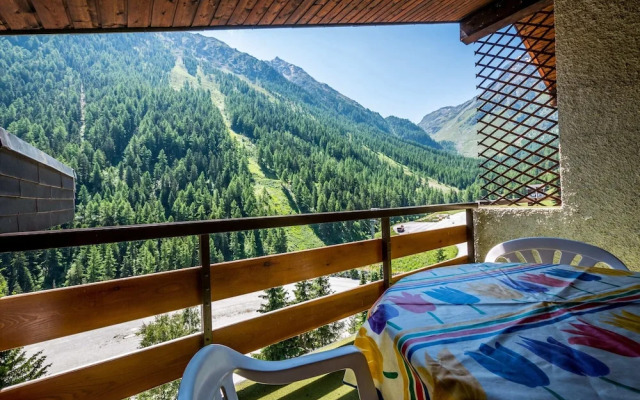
(496, 16)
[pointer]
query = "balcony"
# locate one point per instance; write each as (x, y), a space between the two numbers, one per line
(36, 317)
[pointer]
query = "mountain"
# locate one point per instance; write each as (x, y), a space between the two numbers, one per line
(454, 126)
(171, 127)
(408, 130)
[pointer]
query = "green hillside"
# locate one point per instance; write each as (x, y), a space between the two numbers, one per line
(454, 126)
(182, 127)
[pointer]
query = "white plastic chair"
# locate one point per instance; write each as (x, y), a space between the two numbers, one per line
(553, 250)
(209, 374)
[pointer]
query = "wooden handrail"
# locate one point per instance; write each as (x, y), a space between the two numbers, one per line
(453, 261)
(235, 278)
(116, 378)
(275, 326)
(36, 317)
(144, 369)
(39, 240)
(414, 243)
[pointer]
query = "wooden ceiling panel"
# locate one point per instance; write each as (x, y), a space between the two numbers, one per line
(139, 13)
(362, 15)
(19, 14)
(68, 16)
(52, 13)
(224, 11)
(354, 10)
(185, 12)
(259, 11)
(113, 13)
(324, 11)
(163, 13)
(339, 7)
(347, 7)
(242, 11)
(204, 14)
(302, 8)
(385, 9)
(313, 10)
(83, 13)
(394, 10)
(288, 8)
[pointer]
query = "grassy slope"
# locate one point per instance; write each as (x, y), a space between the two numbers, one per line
(430, 181)
(280, 199)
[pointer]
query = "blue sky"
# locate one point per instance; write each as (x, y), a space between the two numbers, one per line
(402, 70)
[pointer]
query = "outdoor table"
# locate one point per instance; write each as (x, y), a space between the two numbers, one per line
(506, 331)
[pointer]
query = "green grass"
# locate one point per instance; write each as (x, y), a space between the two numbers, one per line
(327, 387)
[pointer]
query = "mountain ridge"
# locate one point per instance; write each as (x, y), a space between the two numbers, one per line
(454, 124)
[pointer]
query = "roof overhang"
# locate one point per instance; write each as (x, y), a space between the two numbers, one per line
(76, 16)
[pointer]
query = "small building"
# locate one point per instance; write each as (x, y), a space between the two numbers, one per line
(36, 190)
(536, 192)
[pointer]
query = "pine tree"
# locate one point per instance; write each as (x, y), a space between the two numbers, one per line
(302, 292)
(15, 366)
(329, 333)
(276, 298)
(356, 321)
(164, 328)
(95, 266)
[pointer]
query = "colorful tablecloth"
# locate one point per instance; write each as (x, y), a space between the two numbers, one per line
(507, 331)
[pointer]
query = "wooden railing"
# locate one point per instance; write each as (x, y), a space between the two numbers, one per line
(35, 317)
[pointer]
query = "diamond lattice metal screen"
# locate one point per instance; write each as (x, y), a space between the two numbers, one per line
(517, 115)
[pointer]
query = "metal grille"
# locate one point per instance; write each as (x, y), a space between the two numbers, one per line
(517, 114)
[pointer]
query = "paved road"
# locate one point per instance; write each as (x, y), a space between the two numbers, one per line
(413, 227)
(88, 347)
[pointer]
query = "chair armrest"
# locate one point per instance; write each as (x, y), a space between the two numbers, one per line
(308, 366)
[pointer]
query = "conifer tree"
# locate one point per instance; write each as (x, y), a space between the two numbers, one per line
(275, 298)
(164, 328)
(329, 333)
(15, 366)
(302, 292)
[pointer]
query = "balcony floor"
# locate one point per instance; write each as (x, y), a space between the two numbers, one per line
(327, 387)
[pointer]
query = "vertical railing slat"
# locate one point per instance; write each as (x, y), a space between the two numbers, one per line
(386, 251)
(205, 282)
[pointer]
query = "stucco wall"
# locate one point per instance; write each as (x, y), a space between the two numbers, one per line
(598, 68)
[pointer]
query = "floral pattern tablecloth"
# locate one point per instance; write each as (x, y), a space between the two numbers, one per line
(507, 331)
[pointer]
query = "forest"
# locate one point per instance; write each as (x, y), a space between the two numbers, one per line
(178, 127)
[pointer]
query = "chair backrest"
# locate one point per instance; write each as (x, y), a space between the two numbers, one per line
(209, 374)
(553, 250)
